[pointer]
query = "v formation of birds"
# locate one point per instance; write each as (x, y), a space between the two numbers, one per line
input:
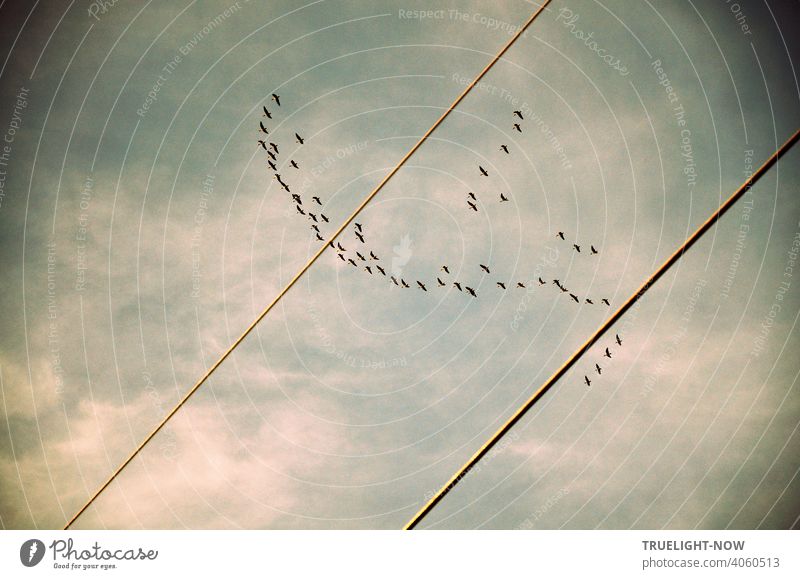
(363, 256)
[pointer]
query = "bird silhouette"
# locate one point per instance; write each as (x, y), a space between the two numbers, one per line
(351, 262)
(520, 284)
(296, 197)
(483, 171)
(503, 198)
(470, 291)
(300, 139)
(339, 245)
(441, 283)
(501, 285)
(266, 112)
(457, 285)
(619, 342)
(272, 165)
(472, 205)
(574, 297)
(325, 219)
(317, 199)
(320, 238)
(360, 237)
(607, 354)
(598, 368)
(263, 144)
(504, 148)
(272, 155)
(541, 281)
(519, 114)
(445, 269)
(590, 302)
(300, 210)
(422, 286)
(315, 227)
(560, 234)
(358, 226)
(594, 251)
(373, 256)
(555, 281)
(471, 195)
(577, 247)
(263, 128)
(313, 217)
(517, 127)
(403, 282)
(274, 148)
(277, 99)
(394, 281)
(605, 301)
(293, 164)
(588, 382)
(361, 257)
(368, 269)
(341, 257)
(484, 268)
(380, 269)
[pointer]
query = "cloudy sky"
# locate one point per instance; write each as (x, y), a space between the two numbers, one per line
(142, 232)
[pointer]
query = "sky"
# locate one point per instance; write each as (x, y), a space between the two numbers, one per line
(142, 231)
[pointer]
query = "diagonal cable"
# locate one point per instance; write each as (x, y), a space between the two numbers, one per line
(509, 424)
(308, 264)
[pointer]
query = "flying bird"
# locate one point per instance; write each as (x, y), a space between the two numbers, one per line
(501, 285)
(380, 269)
(368, 269)
(360, 237)
(351, 262)
(605, 301)
(560, 234)
(504, 148)
(422, 286)
(373, 256)
(274, 148)
(313, 216)
(315, 227)
(598, 368)
(272, 155)
(472, 205)
(577, 247)
(441, 283)
(277, 99)
(263, 144)
(503, 198)
(483, 171)
(594, 251)
(358, 226)
(403, 282)
(574, 297)
(341, 257)
(619, 342)
(300, 210)
(272, 165)
(300, 139)
(394, 281)
(263, 128)
(320, 238)
(470, 291)
(296, 197)
(590, 302)
(586, 379)
(457, 285)
(317, 200)
(471, 195)
(520, 284)
(517, 127)
(445, 269)
(266, 112)
(361, 257)
(325, 219)
(607, 354)
(541, 281)
(293, 164)
(519, 114)
(484, 268)
(339, 245)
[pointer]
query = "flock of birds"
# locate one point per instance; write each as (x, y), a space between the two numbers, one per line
(365, 258)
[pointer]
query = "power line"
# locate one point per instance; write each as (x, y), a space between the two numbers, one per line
(308, 264)
(487, 446)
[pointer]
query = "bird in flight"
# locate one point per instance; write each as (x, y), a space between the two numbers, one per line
(422, 286)
(607, 354)
(501, 285)
(358, 226)
(483, 171)
(380, 269)
(445, 269)
(351, 262)
(394, 280)
(361, 257)
(368, 269)
(272, 165)
(274, 147)
(339, 245)
(577, 247)
(320, 238)
(341, 257)
(555, 281)
(297, 198)
(520, 284)
(504, 148)
(517, 127)
(277, 99)
(541, 281)
(619, 342)
(325, 219)
(594, 251)
(266, 112)
(574, 297)
(586, 379)
(263, 128)
(605, 301)
(317, 199)
(293, 164)
(315, 227)
(457, 285)
(484, 268)
(470, 291)
(263, 144)
(441, 283)
(560, 234)
(300, 210)
(598, 368)
(272, 155)
(590, 302)
(503, 198)
(360, 237)
(313, 217)
(373, 256)
(519, 114)
(471, 195)
(299, 139)
(472, 205)
(403, 282)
